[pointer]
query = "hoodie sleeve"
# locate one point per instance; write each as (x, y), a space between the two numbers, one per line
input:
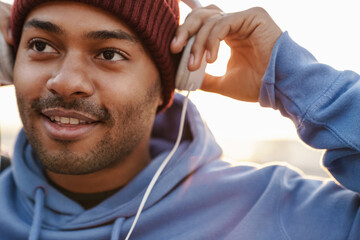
(323, 103)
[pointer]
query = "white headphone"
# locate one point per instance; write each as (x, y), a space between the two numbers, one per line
(185, 79)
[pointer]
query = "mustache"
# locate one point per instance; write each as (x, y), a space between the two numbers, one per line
(79, 105)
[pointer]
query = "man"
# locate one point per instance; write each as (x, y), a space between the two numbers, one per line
(94, 84)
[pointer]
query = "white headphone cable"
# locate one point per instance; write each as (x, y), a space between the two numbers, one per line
(162, 166)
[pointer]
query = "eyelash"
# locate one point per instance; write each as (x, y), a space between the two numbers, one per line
(33, 41)
(113, 50)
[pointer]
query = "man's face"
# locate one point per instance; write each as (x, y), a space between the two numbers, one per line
(87, 90)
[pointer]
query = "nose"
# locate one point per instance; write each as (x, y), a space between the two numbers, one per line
(72, 80)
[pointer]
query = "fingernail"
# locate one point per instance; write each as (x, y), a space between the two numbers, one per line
(191, 59)
(174, 40)
(208, 55)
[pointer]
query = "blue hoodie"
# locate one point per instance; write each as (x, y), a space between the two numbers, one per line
(199, 196)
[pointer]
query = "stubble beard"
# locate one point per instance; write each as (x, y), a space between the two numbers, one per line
(126, 130)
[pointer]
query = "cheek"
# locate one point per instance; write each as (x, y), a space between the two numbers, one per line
(128, 88)
(138, 102)
(24, 109)
(29, 83)
(23, 87)
(29, 79)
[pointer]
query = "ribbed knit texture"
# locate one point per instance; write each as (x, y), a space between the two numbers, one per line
(154, 22)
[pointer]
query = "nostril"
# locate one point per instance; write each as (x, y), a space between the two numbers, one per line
(52, 91)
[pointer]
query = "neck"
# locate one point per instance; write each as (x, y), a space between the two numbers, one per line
(115, 176)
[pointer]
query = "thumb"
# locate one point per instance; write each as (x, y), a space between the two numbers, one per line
(7, 36)
(211, 83)
(5, 11)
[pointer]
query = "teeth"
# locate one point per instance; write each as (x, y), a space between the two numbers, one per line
(66, 120)
(74, 121)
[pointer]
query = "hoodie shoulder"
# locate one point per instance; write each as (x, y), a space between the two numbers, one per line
(279, 198)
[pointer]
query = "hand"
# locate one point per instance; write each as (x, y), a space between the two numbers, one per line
(250, 34)
(5, 11)
(6, 63)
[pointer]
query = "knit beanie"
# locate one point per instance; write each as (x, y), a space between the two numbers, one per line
(154, 22)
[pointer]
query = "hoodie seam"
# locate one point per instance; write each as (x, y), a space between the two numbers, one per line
(309, 116)
(311, 108)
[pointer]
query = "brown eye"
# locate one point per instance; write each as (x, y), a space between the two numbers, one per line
(108, 55)
(111, 55)
(38, 45)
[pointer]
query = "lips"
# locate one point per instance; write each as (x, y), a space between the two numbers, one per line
(61, 124)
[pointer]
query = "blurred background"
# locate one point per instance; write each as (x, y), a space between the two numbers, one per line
(247, 132)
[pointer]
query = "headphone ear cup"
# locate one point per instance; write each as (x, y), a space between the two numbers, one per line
(183, 72)
(185, 79)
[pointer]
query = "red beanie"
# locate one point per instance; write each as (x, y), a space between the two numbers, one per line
(154, 21)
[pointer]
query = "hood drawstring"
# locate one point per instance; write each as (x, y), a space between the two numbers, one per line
(115, 233)
(38, 213)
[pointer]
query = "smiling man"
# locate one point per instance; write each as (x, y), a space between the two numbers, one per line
(94, 82)
(87, 95)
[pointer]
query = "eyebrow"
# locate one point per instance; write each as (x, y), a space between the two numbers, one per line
(106, 35)
(44, 25)
(94, 35)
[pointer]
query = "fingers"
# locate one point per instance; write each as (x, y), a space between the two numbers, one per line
(214, 30)
(194, 21)
(6, 32)
(211, 26)
(219, 27)
(5, 10)
(201, 44)
(202, 22)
